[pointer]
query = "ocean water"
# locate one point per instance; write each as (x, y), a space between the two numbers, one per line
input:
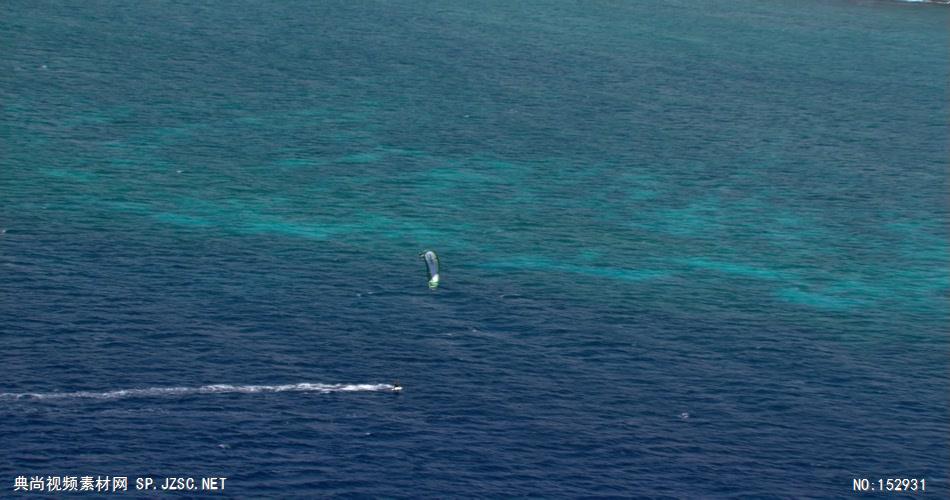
(687, 250)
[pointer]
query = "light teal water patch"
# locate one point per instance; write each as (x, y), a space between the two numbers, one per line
(590, 255)
(490, 165)
(922, 287)
(201, 207)
(792, 229)
(548, 265)
(453, 178)
(498, 164)
(933, 280)
(69, 174)
(451, 187)
(259, 217)
(857, 291)
(286, 228)
(134, 207)
(641, 194)
(930, 232)
(844, 293)
(182, 219)
(921, 244)
(817, 290)
(369, 227)
(737, 269)
(241, 216)
(172, 134)
(402, 152)
(98, 117)
(694, 219)
(309, 113)
(388, 226)
(299, 162)
(360, 158)
(816, 300)
(124, 163)
(251, 121)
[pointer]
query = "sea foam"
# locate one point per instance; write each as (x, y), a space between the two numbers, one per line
(206, 389)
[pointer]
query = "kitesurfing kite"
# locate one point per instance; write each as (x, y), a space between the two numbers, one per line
(432, 266)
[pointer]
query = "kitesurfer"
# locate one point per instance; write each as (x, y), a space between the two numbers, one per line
(432, 267)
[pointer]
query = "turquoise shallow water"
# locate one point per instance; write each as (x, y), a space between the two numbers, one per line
(686, 252)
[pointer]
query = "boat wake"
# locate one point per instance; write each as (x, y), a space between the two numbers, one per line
(206, 389)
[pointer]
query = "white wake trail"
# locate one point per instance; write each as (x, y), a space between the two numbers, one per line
(206, 389)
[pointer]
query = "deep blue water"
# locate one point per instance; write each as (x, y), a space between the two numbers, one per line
(688, 251)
